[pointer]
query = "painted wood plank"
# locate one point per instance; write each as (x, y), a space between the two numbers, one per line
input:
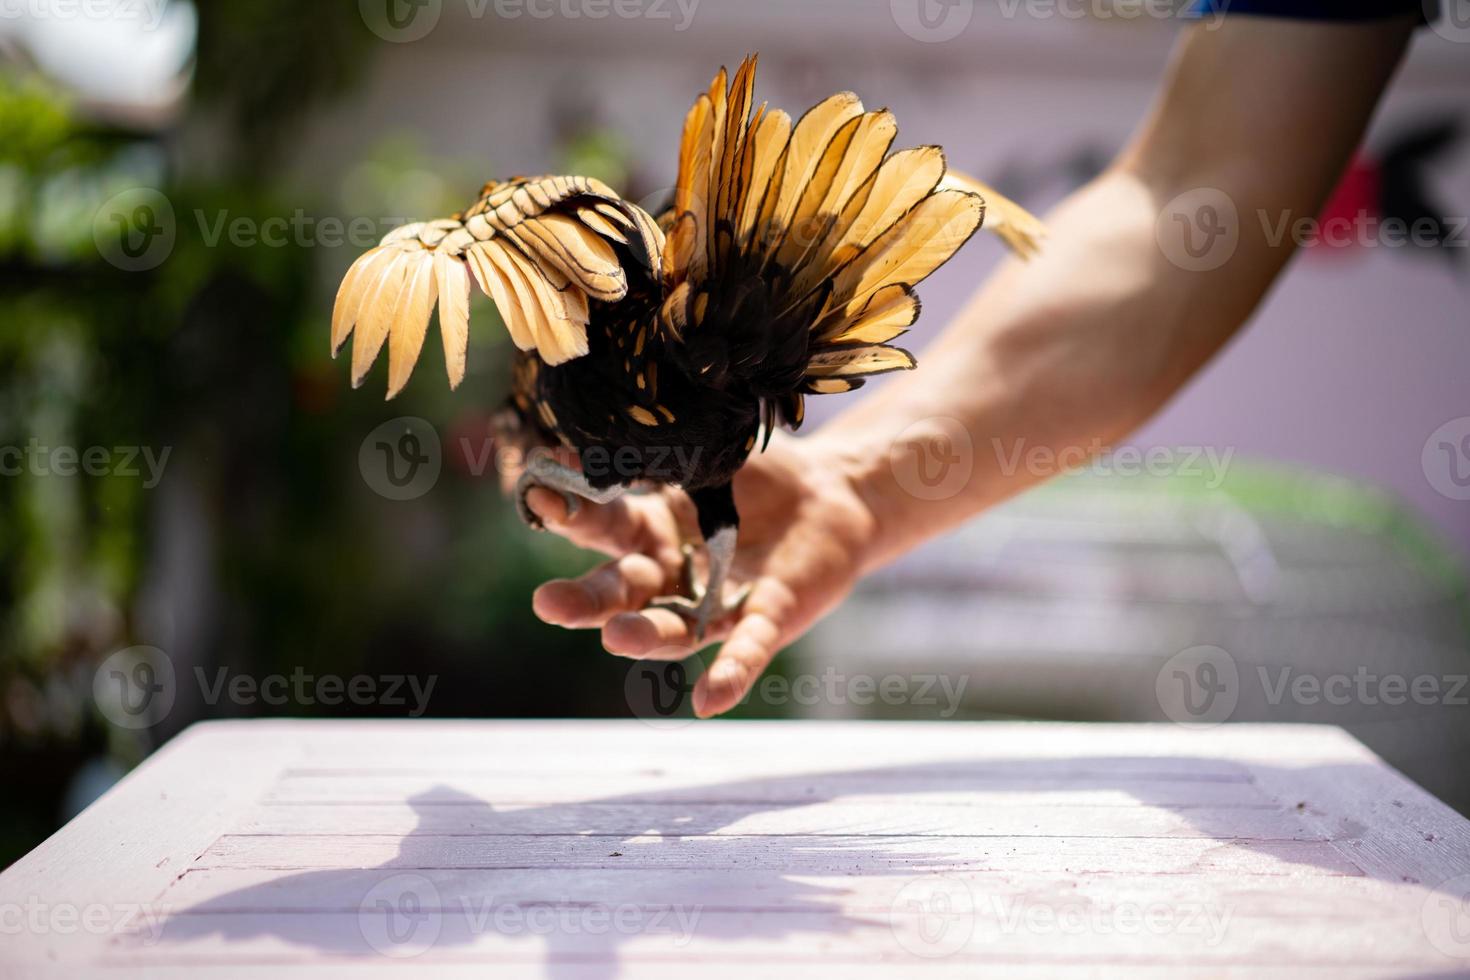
(792, 854)
(143, 832)
(956, 763)
(1383, 822)
(875, 744)
(1020, 967)
(902, 815)
(631, 936)
(695, 787)
(353, 968)
(217, 891)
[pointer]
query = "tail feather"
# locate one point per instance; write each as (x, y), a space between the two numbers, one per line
(903, 180)
(1021, 230)
(835, 228)
(729, 189)
(887, 313)
(887, 194)
(859, 146)
(910, 249)
(803, 178)
(765, 148)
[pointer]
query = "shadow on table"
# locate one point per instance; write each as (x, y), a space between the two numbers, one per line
(443, 892)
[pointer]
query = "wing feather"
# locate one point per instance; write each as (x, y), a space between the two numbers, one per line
(558, 337)
(578, 253)
(361, 277)
(599, 223)
(453, 281)
(541, 248)
(376, 316)
(498, 287)
(410, 321)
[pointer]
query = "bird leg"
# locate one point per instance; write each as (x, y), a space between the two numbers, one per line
(706, 602)
(720, 524)
(543, 471)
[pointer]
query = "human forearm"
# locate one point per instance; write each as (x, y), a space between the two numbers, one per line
(1076, 348)
(1055, 355)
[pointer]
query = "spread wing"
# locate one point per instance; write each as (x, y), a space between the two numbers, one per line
(541, 248)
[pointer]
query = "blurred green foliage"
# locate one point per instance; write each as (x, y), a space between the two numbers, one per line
(263, 550)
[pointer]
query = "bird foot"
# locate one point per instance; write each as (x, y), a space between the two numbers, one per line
(523, 489)
(702, 606)
(709, 608)
(548, 474)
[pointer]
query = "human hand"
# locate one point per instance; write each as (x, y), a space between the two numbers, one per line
(805, 538)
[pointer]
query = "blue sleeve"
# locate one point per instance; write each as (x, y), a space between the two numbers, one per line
(1320, 9)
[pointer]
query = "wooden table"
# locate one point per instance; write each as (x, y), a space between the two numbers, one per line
(728, 849)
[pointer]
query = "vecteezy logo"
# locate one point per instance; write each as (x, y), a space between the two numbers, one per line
(401, 458)
(134, 688)
(934, 916)
(1446, 459)
(135, 230)
(932, 21)
(1446, 917)
(400, 21)
(400, 916)
(658, 691)
(1453, 23)
(1199, 687)
(933, 458)
(1199, 230)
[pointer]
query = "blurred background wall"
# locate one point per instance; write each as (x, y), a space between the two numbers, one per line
(1358, 357)
(138, 315)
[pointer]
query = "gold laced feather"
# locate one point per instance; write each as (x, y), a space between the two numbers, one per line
(599, 223)
(810, 138)
(1021, 230)
(912, 247)
(903, 180)
(887, 313)
(825, 206)
(541, 248)
(768, 139)
(858, 361)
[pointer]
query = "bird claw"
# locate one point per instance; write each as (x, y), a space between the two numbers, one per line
(709, 608)
(702, 606)
(524, 486)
